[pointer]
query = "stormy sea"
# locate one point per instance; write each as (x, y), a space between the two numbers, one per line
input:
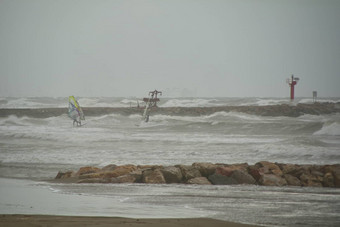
(33, 149)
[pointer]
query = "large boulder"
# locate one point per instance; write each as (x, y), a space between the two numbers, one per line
(300, 170)
(242, 177)
(239, 166)
(272, 180)
(224, 171)
(199, 180)
(206, 168)
(92, 175)
(172, 174)
(219, 179)
(328, 180)
(291, 180)
(232, 174)
(330, 168)
(110, 167)
(269, 168)
(132, 177)
(153, 177)
(87, 170)
(336, 175)
(189, 172)
(309, 180)
(120, 171)
(288, 168)
(317, 172)
(138, 175)
(335, 171)
(255, 172)
(63, 175)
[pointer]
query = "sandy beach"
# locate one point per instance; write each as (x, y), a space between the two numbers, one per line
(20, 206)
(64, 221)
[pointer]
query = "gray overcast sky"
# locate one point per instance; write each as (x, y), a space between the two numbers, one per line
(231, 48)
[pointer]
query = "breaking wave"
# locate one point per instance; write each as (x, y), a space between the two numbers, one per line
(309, 101)
(191, 103)
(106, 102)
(264, 102)
(332, 129)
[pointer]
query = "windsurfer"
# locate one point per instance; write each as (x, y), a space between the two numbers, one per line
(75, 112)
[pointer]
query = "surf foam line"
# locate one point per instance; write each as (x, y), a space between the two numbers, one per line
(332, 129)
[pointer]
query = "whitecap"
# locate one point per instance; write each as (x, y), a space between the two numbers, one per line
(332, 129)
(190, 103)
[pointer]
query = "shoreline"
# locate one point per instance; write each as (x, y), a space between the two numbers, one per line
(26, 203)
(63, 221)
(270, 110)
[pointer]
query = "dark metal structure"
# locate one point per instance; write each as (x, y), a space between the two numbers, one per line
(153, 99)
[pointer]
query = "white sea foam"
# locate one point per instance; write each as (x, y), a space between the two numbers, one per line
(265, 102)
(10, 120)
(102, 102)
(131, 102)
(103, 119)
(33, 102)
(21, 103)
(238, 115)
(332, 129)
(190, 103)
(161, 117)
(313, 118)
(88, 102)
(321, 100)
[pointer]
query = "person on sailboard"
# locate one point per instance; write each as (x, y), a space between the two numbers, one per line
(75, 112)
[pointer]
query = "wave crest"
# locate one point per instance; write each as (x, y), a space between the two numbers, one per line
(332, 129)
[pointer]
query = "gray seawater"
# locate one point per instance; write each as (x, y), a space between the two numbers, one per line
(35, 149)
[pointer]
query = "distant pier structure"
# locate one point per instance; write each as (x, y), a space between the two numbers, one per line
(153, 99)
(315, 95)
(292, 82)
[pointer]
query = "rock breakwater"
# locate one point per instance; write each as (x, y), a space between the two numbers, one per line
(271, 110)
(262, 173)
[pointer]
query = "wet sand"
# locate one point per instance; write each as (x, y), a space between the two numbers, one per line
(24, 203)
(65, 221)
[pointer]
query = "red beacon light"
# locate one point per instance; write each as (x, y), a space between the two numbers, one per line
(292, 82)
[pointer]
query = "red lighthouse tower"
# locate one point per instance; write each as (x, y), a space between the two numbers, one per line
(292, 82)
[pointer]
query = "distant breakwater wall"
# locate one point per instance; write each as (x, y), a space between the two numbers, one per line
(262, 173)
(271, 110)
